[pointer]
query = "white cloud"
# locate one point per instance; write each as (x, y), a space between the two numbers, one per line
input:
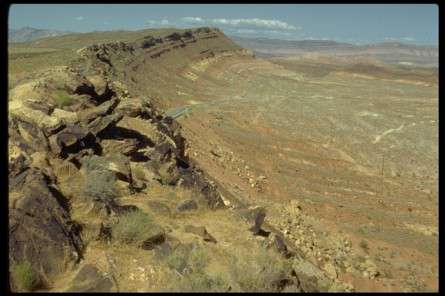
(163, 22)
(79, 18)
(193, 20)
(246, 31)
(409, 39)
(256, 22)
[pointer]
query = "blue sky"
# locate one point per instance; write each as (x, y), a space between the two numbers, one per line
(341, 22)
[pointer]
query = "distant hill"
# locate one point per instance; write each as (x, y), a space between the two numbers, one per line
(26, 34)
(388, 52)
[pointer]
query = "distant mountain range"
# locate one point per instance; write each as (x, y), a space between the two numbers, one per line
(29, 34)
(388, 52)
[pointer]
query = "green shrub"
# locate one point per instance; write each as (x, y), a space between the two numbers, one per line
(24, 276)
(259, 270)
(134, 227)
(62, 98)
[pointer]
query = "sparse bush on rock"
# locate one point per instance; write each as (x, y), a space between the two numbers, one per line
(134, 227)
(100, 182)
(100, 185)
(259, 270)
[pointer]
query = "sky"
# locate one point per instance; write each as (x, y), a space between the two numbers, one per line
(352, 23)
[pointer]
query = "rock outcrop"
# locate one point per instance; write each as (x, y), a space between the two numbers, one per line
(118, 129)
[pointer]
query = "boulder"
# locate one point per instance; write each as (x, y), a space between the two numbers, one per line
(101, 123)
(27, 133)
(125, 146)
(149, 133)
(90, 114)
(71, 140)
(255, 216)
(156, 239)
(49, 124)
(133, 107)
(192, 179)
(68, 117)
(90, 279)
(99, 83)
(169, 173)
(40, 229)
(120, 165)
(280, 245)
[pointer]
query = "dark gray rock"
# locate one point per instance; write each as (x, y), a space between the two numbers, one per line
(89, 279)
(101, 123)
(103, 109)
(280, 245)
(40, 229)
(104, 233)
(254, 216)
(156, 239)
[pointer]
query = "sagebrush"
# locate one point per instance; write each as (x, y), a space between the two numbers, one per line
(134, 227)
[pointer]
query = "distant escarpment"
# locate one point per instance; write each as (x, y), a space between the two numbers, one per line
(152, 65)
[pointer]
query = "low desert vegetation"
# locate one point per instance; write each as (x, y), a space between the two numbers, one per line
(253, 270)
(25, 277)
(259, 270)
(187, 264)
(100, 182)
(62, 98)
(134, 227)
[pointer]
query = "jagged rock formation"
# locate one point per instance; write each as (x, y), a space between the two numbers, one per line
(110, 125)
